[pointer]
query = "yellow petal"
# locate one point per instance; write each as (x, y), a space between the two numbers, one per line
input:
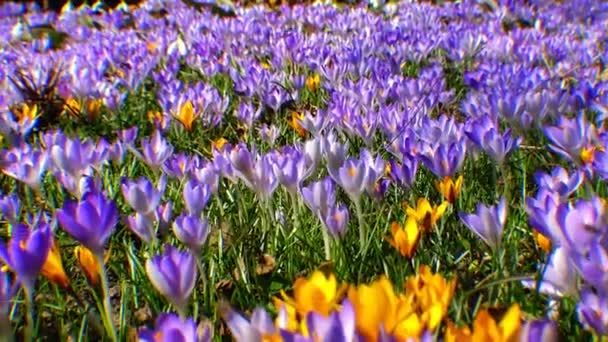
(511, 323)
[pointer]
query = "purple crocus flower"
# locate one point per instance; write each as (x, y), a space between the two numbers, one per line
(559, 181)
(164, 213)
(27, 251)
(269, 133)
(592, 264)
(592, 311)
(156, 150)
(173, 274)
(539, 331)
(90, 221)
(404, 173)
(196, 196)
(206, 172)
(192, 231)
(320, 196)
(10, 208)
(559, 278)
(290, 168)
(352, 177)
(485, 134)
(142, 196)
(170, 327)
(600, 164)
(178, 165)
(444, 159)
(488, 222)
(336, 220)
(542, 213)
(339, 326)
(74, 157)
(128, 136)
(580, 223)
(569, 137)
(142, 226)
(25, 165)
(260, 324)
(334, 152)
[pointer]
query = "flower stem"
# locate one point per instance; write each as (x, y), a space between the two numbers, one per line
(361, 221)
(29, 312)
(326, 243)
(107, 306)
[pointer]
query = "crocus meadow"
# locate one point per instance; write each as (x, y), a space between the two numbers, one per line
(181, 170)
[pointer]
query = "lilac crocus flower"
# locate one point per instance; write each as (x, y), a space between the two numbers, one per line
(128, 136)
(542, 213)
(26, 252)
(290, 168)
(142, 196)
(485, 134)
(206, 172)
(90, 221)
(142, 226)
(178, 165)
(592, 264)
(173, 274)
(164, 213)
(592, 311)
(334, 152)
(25, 165)
(156, 150)
(170, 327)
(404, 173)
(336, 220)
(339, 326)
(352, 177)
(559, 278)
(320, 196)
(488, 222)
(192, 231)
(569, 137)
(539, 331)
(444, 159)
(269, 133)
(10, 208)
(580, 223)
(600, 164)
(260, 324)
(559, 181)
(196, 196)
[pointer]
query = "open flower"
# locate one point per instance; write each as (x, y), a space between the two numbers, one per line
(405, 239)
(486, 329)
(425, 214)
(186, 115)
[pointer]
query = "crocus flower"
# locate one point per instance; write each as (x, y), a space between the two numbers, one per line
(539, 331)
(591, 264)
(352, 177)
(26, 252)
(580, 223)
(186, 115)
(405, 239)
(485, 328)
(155, 150)
(88, 264)
(559, 278)
(173, 274)
(90, 221)
(290, 168)
(425, 214)
(488, 222)
(559, 181)
(258, 328)
(485, 134)
(10, 208)
(164, 212)
(25, 165)
(128, 136)
(592, 311)
(142, 226)
(570, 137)
(196, 196)
(269, 133)
(336, 220)
(449, 188)
(142, 196)
(178, 165)
(75, 157)
(339, 326)
(53, 267)
(334, 152)
(192, 231)
(404, 173)
(170, 327)
(444, 159)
